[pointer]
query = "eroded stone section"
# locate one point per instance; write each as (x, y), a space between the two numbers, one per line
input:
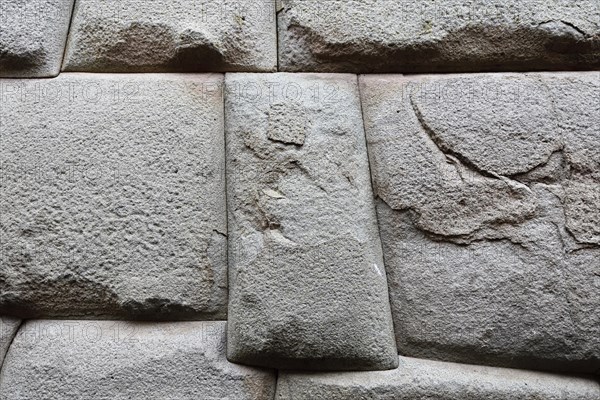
(425, 379)
(175, 35)
(449, 35)
(113, 197)
(488, 215)
(32, 37)
(8, 330)
(308, 287)
(53, 359)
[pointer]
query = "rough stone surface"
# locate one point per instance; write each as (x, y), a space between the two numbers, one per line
(113, 197)
(489, 193)
(446, 35)
(434, 380)
(172, 35)
(308, 287)
(8, 329)
(33, 36)
(123, 360)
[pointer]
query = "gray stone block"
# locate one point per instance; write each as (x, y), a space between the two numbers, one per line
(113, 197)
(308, 289)
(172, 35)
(435, 380)
(52, 359)
(446, 35)
(32, 37)
(489, 189)
(8, 330)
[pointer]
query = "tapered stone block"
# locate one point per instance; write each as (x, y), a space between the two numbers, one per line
(8, 329)
(445, 35)
(425, 379)
(308, 287)
(32, 37)
(172, 35)
(488, 189)
(66, 359)
(113, 197)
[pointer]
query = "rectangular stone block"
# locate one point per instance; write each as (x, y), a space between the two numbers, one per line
(435, 380)
(52, 359)
(444, 35)
(308, 287)
(172, 36)
(489, 193)
(113, 197)
(32, 37)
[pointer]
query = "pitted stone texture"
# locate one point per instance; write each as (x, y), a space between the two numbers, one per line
(172, 35)
(33, 36)
(8, 329)
(446, 35)
(434, 380)
(308, 287)
(52, 359)
(113, 197)
(488, 213)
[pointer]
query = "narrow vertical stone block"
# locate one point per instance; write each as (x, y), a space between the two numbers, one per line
(8, 329)
(307, 283)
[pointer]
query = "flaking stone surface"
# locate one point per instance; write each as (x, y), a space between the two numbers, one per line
(32, 37)
(488, 193)
(308, 287)
(172, 35)
(52, 359)
(447, 35)
(435, 380)
(113, 197)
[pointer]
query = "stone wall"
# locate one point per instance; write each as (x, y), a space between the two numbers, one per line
(300, 199)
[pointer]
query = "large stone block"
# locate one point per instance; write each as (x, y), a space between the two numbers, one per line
(308, 288)
(8, 330)
(435, 380)
(489, 193)
(33, 36)
(113, 197)
(52, 359)
(445, 35)
(172, 35)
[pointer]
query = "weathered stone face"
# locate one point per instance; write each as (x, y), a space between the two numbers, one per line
(488, 211)
(424, 379)
(53, 359)
(448, 35)
(8, 329)
(113, 197)
(33, 36)
(308, 289)
(174, 35)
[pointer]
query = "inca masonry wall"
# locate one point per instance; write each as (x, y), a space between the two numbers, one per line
(300, 199)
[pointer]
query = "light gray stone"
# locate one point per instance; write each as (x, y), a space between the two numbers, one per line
(445, 35)
(113, 197)
(172, 35)
(488, 213)
(8, 329)
(308, 288)
(52, 359)
(434, 380)
(33, 36)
